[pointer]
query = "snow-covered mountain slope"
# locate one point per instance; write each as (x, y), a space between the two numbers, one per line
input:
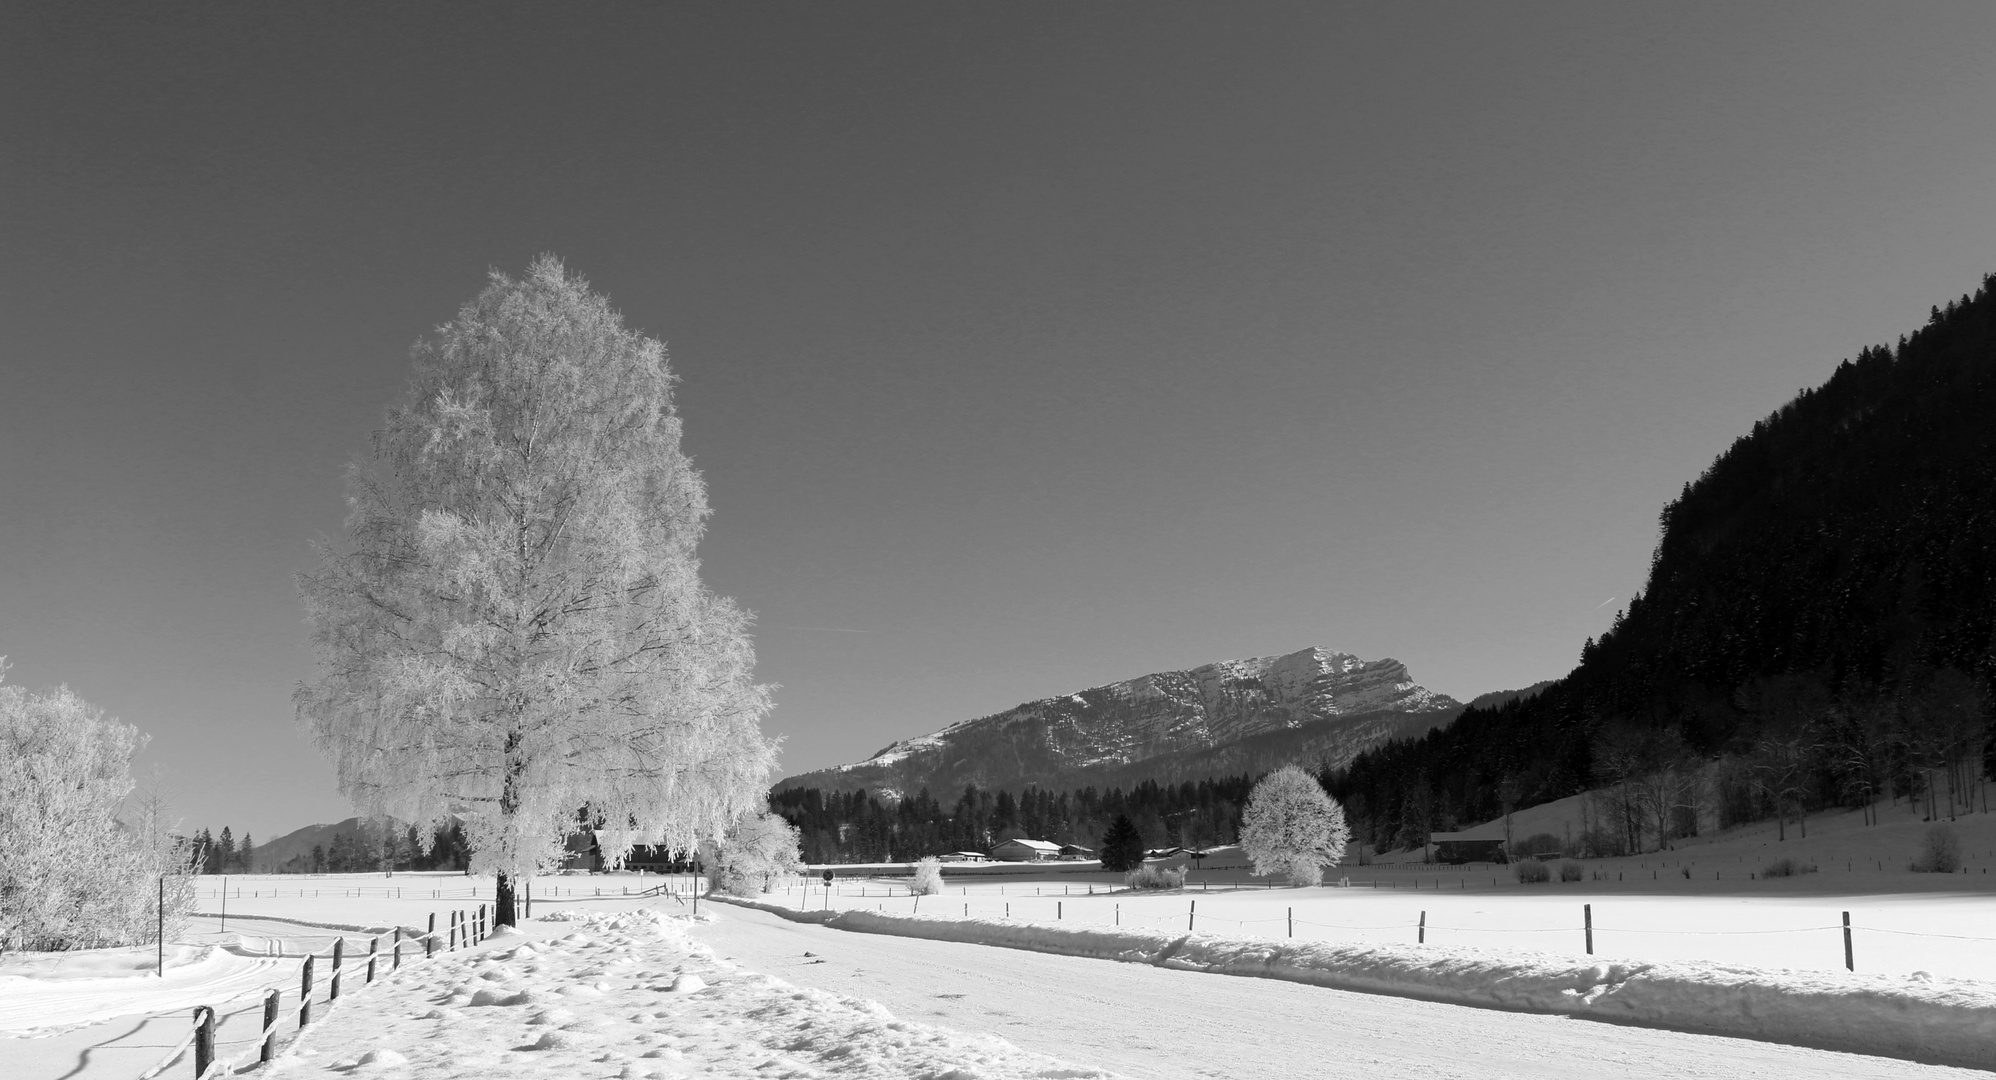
(1311, 706)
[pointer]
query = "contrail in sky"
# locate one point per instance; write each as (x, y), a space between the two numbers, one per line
(1604, 603)
(826, 629)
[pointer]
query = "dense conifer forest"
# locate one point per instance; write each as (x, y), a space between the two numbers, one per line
(1816, 631)
(857, 826)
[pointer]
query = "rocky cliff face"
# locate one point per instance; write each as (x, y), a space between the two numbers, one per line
(1235, 716)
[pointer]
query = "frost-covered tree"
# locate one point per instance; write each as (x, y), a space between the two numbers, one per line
(928, 877)
(82, 861)
(517, 629)
(1291, 826)
(753, 851)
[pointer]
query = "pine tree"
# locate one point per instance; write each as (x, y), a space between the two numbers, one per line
(1122, 845)
(246, 855)
(225, 853)
(519, 629)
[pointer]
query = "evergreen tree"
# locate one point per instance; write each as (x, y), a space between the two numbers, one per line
(225, 854)
(519, 628)
(246, 855)
(1122, 845)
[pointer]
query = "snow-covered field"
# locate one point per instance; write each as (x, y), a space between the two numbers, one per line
(1948, 934)
(618, 1022)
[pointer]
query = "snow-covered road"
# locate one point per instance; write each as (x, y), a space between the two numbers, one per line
(1164, 1024)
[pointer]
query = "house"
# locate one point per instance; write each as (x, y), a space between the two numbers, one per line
(964, 856)
(1025, 851)
(1075, 852)
(1476, 845)
(579, 852)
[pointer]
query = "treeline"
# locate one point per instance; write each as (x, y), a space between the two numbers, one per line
(1818, 628)
(374, 847)
(859, 826)
(223, 855)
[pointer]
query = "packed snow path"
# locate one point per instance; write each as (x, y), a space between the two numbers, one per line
(1166, 1025)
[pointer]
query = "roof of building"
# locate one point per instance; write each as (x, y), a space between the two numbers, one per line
(1036, 845)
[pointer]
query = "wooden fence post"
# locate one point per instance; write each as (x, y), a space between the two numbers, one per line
(1292, 922)
(1422, 938)
(269, 1026)
(1587, 915)
(333, 980)
(396, 945)
(1850, 962)
(1189, 913)
(430, 939)
(373, 947)
(305, 994)
(204, 1040)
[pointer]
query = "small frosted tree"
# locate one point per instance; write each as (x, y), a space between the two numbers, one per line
(82, 860)
(754, 850)
(517, 630)
(928, 877)
(1292, 826)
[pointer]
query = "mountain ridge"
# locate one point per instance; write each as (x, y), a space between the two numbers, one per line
(1314, 704)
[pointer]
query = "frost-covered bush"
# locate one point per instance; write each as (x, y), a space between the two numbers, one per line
(928, 880)
(1292, 826)
(1531, 871)
(1153, 876)
(1570, 871)
(1940, 851)
(81, 865)
(753, 852)
(1787, 868)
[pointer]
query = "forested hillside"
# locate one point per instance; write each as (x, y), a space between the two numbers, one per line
(1816, 629)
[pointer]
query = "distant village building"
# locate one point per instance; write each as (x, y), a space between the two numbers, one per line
(1075, 852)
(1025, 851)
(1476, 845)
(965, 856)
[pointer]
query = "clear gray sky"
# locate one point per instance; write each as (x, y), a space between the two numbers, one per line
(1025, 347)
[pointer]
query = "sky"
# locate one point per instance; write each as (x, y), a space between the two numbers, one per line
(1024, 347)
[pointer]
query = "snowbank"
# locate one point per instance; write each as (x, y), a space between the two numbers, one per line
(629, 994)
(1929, 1019)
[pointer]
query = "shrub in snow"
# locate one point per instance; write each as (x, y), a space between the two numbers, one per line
(1531, 871)
(1292, 826)
(74, 873)
(1940, 851)
(1787, 868)
(755, 850)
(1122, 845)
(928, 879)
(1570, 871)
(1153, 876)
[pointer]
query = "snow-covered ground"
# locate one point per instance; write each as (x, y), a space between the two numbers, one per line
(582, 990)
(1168, 1024)
(630, 994)
(276, 915)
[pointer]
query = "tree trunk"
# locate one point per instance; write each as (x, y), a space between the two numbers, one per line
(502, 901)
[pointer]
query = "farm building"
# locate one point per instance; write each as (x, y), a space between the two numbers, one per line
(1025, 851)
(1475, 845)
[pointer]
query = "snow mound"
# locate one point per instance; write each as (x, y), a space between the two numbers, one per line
(720, 1021)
